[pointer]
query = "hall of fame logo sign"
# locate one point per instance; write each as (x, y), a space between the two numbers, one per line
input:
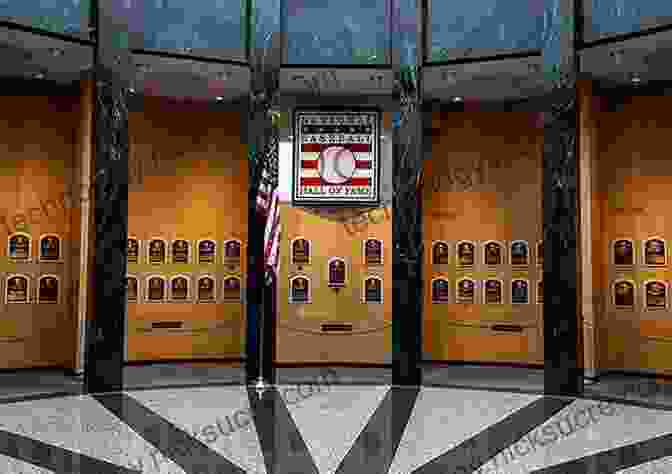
(336, 158)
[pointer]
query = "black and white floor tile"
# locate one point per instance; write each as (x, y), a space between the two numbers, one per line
(326, 428)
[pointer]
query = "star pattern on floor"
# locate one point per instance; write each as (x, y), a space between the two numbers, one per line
(331, 429)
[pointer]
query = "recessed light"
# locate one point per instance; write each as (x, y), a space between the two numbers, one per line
(220, 98)
(38, 75)
(457, 99)
(131, 90)
(636, 80)
(57, 52)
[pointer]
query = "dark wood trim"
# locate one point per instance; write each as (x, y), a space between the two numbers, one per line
(466, 363)
(357, 365)
(224, 360)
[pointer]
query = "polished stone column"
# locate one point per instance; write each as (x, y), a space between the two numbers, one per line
(105, 329)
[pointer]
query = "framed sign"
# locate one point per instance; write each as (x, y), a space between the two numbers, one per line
(131, 289)
(623, 252)
(440, 290)
(493, 253)
(18, 247)
(466, 252)
(300, 251)
(373, 252)
(655, 295)
(492, 291)
(156, 252)
(623, 294)
(654, 252)
(50, 248)
(207, 250)
(133, 250)
(48, 289)
(520, 291)
(206, 289)
(337, 272)
(231, 289)
(156, 289)
(520, 253)
(373, 290)
(466, 291)
(336, 157)
(440, 255)
(180, 251)
(299, 289)
(232, 252)
(179, 288)
(17, 289)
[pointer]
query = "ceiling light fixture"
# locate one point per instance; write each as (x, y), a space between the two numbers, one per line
(56, 52)
(457, 99)
(220, 98)
(39, 75)
(636, 79)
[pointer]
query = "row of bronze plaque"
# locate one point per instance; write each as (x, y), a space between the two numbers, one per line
(18, 289)
(492, 289)
(494, 253)
(301, 250)
(159, 252)
(19, 247)
(653, 254)
(654, 294)
(300, 289)
(179, 288)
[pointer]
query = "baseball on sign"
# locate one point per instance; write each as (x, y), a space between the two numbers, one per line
(337, 165)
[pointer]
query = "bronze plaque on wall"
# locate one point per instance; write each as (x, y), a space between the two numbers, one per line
(133, 249)
(50, 248)
(373, 252)
(47, 291)
(179, 289)
(232, 251)
(466, 291)
(232, 289)
(656, 295)
(440, 255)
(19, 247)
(299, 290)
(337, 273)
(157, 252)
(440, 290)
(300, 252)
(156, 290)
(206, 251)
(17, 289)
(654, 252)
(131, 289)
(520, 292)
(624, 294)
(465, 254)
(180, 251)
(206, 290)
(519, 253)
(493, 254)
(373, 290)
(493, 292)
(623, 252)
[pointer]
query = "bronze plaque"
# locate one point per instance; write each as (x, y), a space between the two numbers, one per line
(179, 289)
(540, 254)
(206, 251)
(157, 252)
(540, 292)
(624, 294)
(466, 291)
(465, 254)
(48, 290)
(520, 292)
(440, 253)
(440, 290)
(133, 250)
(623, 253)
(373, 252)
(206, 289)
(17, 289)
(519, 253)
(232, 289)
(373, 290)
(156, 290)
(232, 250)
(50, 248)
(19, 247)
(337, 273)
(180, 251)
(131, 289)
(300, 287)
(654, 252)
(493, 254)
(493, 292)
(300, 252)
(656, 293)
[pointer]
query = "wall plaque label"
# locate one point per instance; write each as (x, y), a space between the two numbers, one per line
(656, 295)
(493, 254)
(179, 288)
(47, 290)
(206, 251)
(232, 289)
(50, 248)
(180, 251)
(133, 250)
(232, 251)
(206, 290)
(156, 289)
(373, 290)
(157, 252)
(17, 289)
(131, 289)
(466, 291)
(624, 294)
(623, 252)
(299, 290)
(520, 291)
(440, 255)
(493, 292)
(520, 253)
(440, 290)
(337, 273)
(19, 247)
(654, 252)
(300, 252)
(465, 254)
(373, 252)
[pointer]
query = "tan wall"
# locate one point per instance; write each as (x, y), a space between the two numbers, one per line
(483, 182)
(189, 180)
(635, 176)
(38, 170)
(299, 335)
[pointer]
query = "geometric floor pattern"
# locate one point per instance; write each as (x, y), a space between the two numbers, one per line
(324, 428)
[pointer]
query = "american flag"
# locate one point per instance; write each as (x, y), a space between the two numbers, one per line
(268, 206)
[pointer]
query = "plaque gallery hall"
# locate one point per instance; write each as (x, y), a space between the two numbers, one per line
(386, 236)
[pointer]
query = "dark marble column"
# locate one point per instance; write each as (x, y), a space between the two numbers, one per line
(105, 328)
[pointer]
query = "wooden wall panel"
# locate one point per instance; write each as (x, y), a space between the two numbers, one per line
(188, 179)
